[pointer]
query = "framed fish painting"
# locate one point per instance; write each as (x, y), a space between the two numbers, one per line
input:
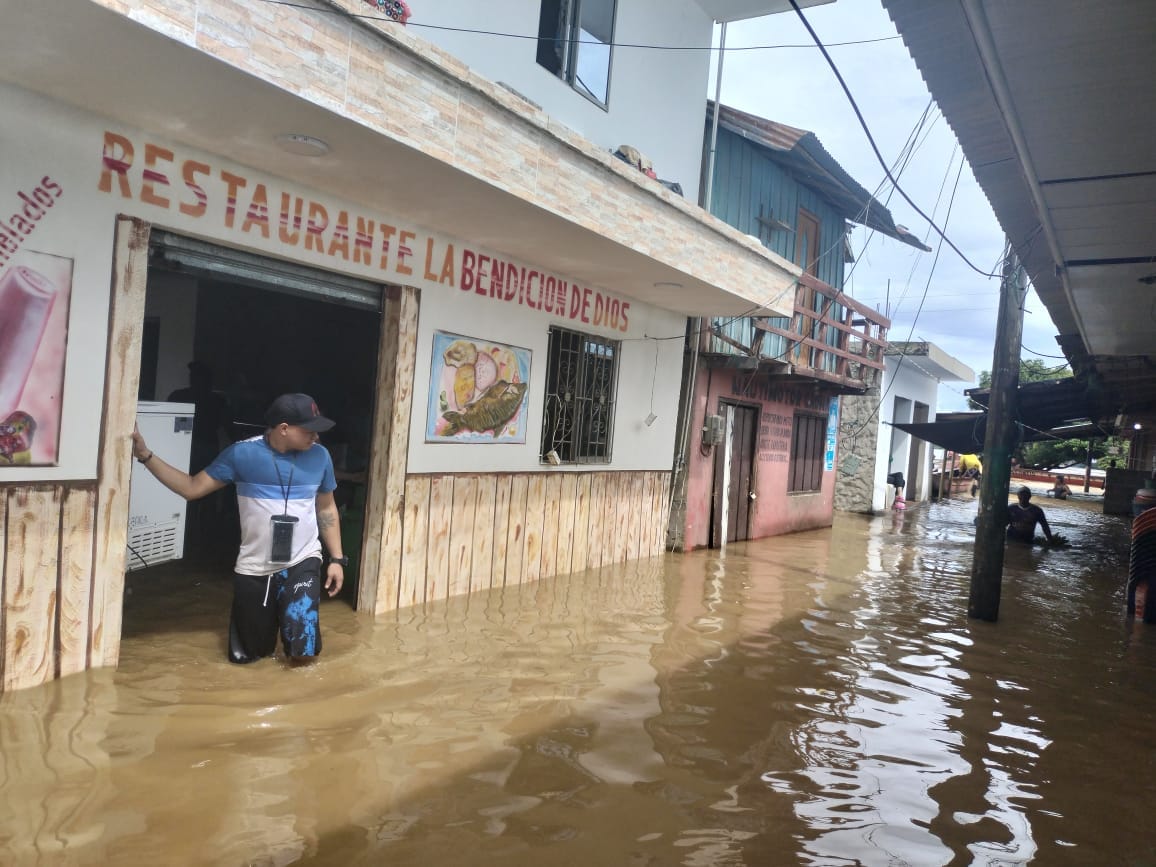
(479, 391)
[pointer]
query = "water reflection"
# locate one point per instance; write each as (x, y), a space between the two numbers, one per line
(819, 699)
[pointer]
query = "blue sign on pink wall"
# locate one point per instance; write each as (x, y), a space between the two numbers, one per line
(832, 434)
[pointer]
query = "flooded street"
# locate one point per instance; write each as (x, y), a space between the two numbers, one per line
(820, 698)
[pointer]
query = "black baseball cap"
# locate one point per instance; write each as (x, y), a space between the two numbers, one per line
(297, 409)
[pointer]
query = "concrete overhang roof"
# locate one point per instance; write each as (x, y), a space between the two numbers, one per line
(232, 93)
(737, 10)
(930, 359)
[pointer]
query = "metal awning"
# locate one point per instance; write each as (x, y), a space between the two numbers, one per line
(1052, 409)
(964, 433)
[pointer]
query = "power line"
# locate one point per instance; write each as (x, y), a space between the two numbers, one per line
(926, 287)
(902, 161)
(363, 16)
(934, 210)
(875, 147)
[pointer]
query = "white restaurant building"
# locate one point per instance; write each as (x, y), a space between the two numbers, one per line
(312, 197)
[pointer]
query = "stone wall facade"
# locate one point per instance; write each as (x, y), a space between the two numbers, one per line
(858, 443)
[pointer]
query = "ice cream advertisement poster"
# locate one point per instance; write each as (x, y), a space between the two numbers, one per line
(478, 391)
(35, 289)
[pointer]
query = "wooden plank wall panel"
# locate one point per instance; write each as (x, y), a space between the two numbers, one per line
(31, 564)
(625, 518)
(462, 516)
(664, 508)
(441, 503)
(635, 518)
(567, 507)
(516, 531)
(379, 587)
(610, 517)
(4, 579)
(501, 529)
(415, 542)
(114, 465)
(471, 532)
(535, 521)
(369, 567)
(655, 528)
(482, 572)
(581, 543)
(615, 516)
(76, 577)
(658, 544)
(597, 520)
(646, 516)
(550, 526)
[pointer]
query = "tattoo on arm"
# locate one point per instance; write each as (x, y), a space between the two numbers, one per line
(325, 520)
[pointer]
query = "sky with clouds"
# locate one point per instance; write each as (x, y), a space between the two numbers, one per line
(941, 300)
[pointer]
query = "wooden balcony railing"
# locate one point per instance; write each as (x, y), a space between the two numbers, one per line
(831, 337)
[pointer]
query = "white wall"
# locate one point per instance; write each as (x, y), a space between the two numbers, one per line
(66, 145)
(906, 384)
(635, 447)
(657, 98)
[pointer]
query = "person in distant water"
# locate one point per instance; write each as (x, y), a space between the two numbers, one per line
(1022, 518)
(285, 485)
(1060, 489)
(213, 419)
(971, 467)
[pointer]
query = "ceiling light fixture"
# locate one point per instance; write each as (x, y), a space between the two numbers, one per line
(302, 145)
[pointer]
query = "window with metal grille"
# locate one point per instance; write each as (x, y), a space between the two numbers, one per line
(581, 378)
(807, 442)
(575, 42)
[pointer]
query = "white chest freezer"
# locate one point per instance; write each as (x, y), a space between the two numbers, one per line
(156, 516)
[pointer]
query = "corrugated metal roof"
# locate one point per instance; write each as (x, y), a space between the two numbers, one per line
(801, 153)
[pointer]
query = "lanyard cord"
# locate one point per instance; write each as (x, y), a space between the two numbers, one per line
(284, 487)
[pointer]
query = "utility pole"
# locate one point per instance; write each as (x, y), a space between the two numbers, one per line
(999, 439)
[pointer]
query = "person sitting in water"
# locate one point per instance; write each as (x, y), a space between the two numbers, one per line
(1060, 490)
(1022, 518)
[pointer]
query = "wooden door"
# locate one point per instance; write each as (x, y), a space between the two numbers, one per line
(807, 257)
(734, 476)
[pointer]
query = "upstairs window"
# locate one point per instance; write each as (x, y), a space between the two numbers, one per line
(575, 38)
(578, 421)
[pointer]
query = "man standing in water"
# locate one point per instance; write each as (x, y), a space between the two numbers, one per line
(285, 485)
(1022, 518)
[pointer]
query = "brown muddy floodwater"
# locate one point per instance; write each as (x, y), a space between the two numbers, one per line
(817, 699)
